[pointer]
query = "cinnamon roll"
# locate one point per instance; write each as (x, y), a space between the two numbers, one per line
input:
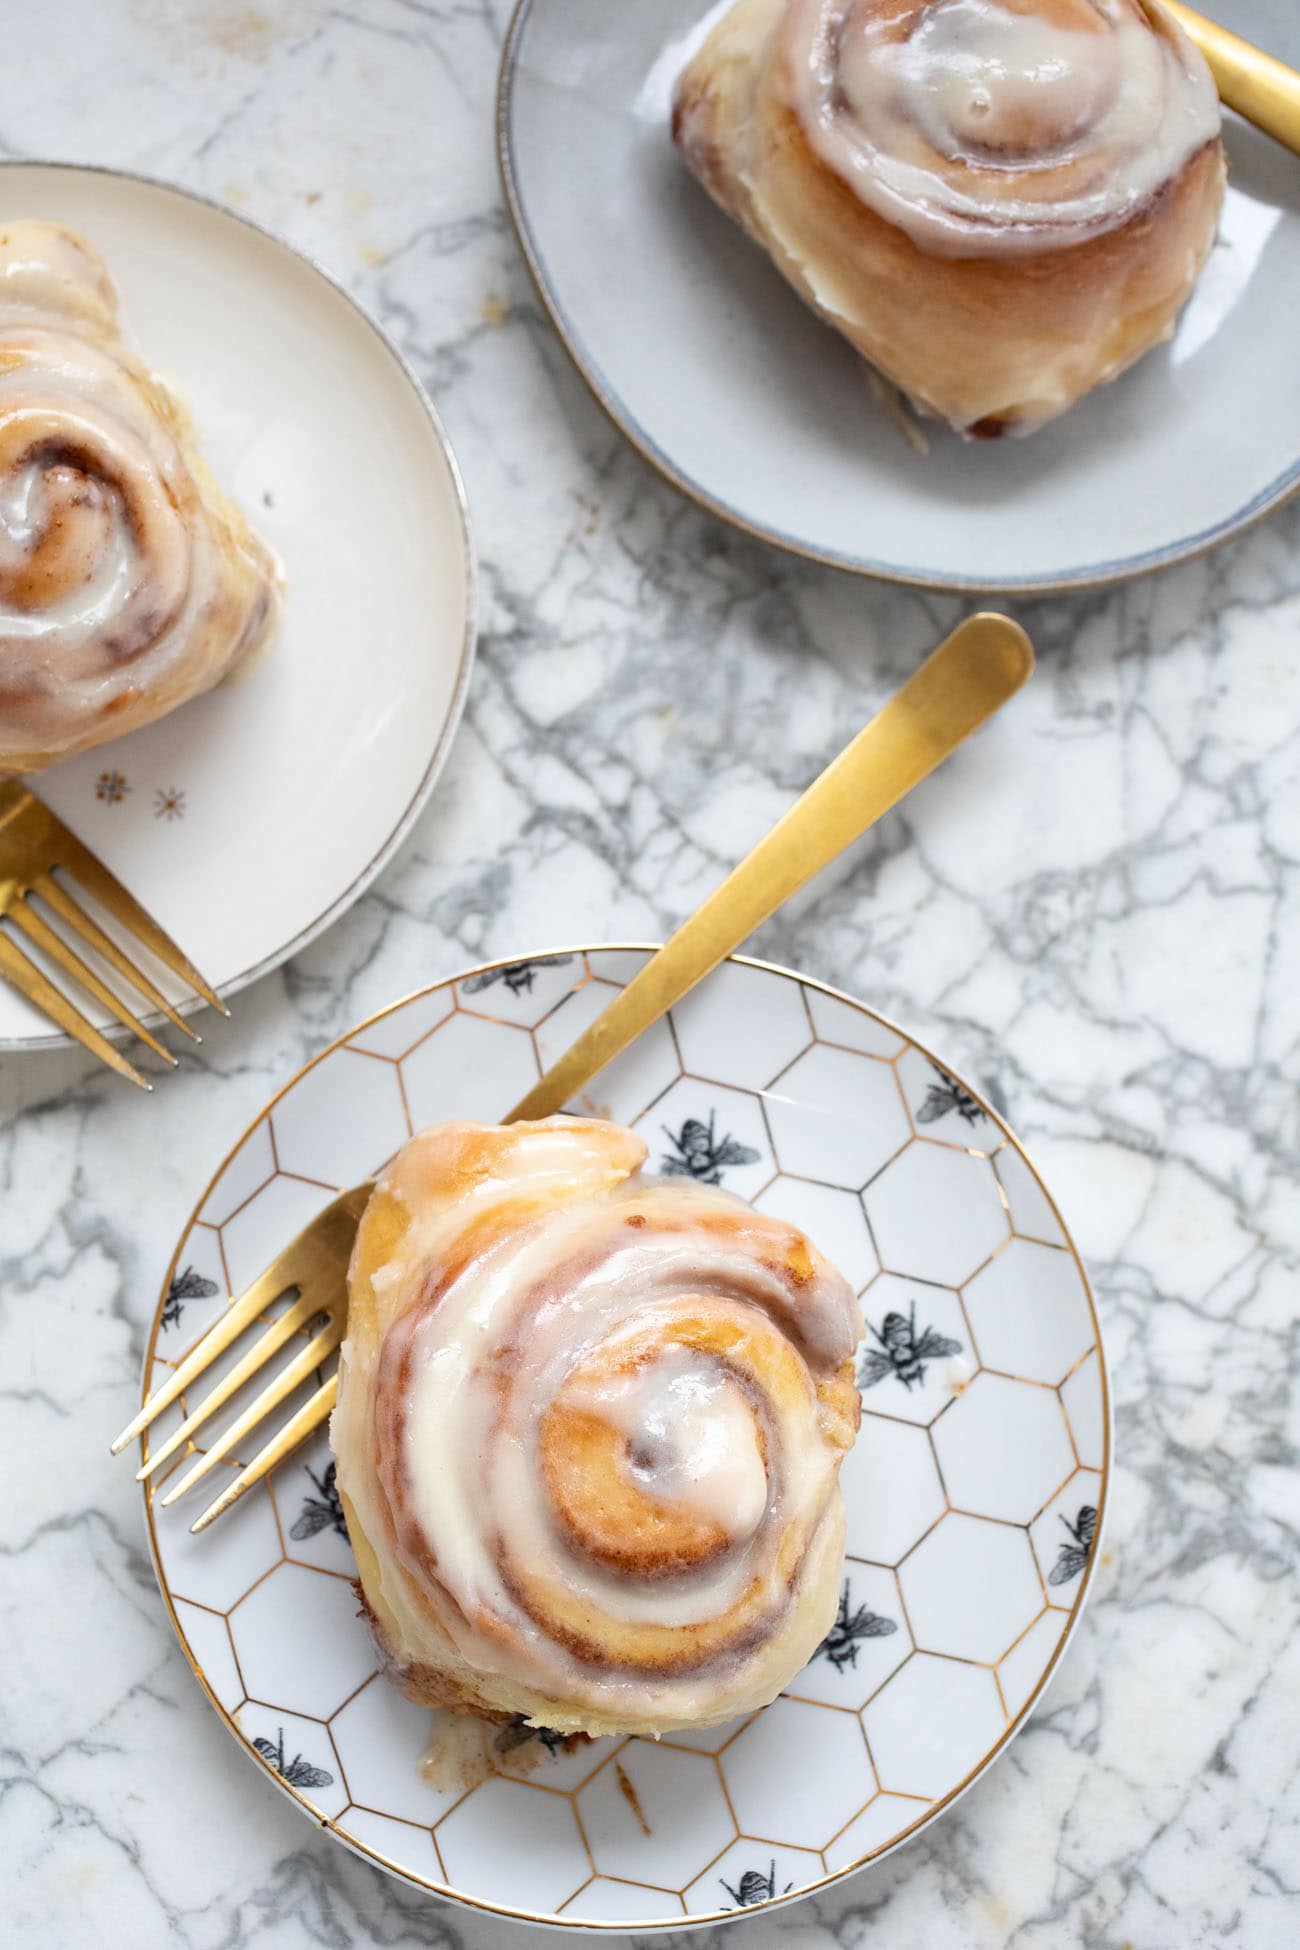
(1000, 203)
(128, 583)
(588, 1432)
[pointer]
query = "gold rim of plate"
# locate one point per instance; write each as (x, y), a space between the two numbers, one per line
(337, 1824)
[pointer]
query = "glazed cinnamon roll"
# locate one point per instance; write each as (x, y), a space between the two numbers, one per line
(128, 583)
(588, 1432)
(1000, 203)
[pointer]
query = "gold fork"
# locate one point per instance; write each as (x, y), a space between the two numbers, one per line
(969, 677)
(35, 847)
(1260, 87)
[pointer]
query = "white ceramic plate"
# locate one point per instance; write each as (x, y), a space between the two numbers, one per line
(250, 819)
(711, 366)
(974, 1493)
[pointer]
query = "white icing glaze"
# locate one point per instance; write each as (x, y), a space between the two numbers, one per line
(988, 128)
(124, 554)
(126, 584)
(469, 1457)
(691, 1437)
(587, 1301)
(982, 78)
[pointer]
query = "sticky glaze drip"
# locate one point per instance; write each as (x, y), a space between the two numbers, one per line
(986, 127)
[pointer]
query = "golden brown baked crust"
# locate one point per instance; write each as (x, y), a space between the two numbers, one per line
(994, 268)
(128, 583)
(588, 1433)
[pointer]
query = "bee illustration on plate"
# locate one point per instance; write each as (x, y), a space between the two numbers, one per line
(755, 1887)
(900, 1352)
(297, 1772)
(945, 1095)
(701, 1155)
(841, 1643)
(518, 977)
(186, 1285)
(519, 1733)
(323, 1511)
(1073, 1555)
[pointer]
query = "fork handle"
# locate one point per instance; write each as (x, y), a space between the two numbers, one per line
(1259, 87)
(972, 673)
(13, 796)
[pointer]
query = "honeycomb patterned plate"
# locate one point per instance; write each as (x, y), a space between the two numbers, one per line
(974, 1493)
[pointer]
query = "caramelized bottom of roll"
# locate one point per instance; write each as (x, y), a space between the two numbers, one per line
(1002, 346)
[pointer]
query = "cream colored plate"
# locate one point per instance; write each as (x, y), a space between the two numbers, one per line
(250, 819)
(974, 1493)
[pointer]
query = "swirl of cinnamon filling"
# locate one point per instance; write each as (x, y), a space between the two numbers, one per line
(1000, 203)
(128, 584)
(988, 127)
(588, 1431)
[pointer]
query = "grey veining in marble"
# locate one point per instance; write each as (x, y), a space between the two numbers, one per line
(1095, 909)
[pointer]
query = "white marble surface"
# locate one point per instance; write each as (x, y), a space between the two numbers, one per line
(1096, 910)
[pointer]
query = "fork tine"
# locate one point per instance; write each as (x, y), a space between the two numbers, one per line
(271, 1396)
(282, 1443)
(313, 1262)
(77, 918)
(94, 876)
(281, 1330)
(24, 916)
(226, 1328)
(27, 977)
